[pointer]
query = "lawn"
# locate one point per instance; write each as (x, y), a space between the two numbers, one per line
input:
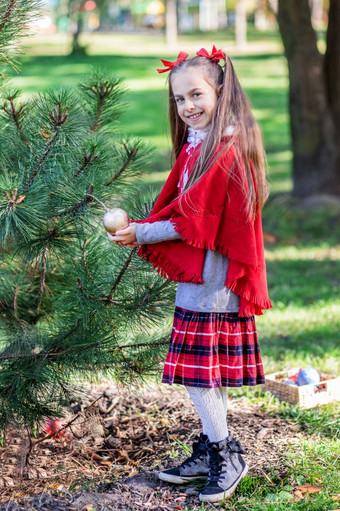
(303, 255)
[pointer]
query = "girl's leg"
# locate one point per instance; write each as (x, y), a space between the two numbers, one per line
(210, 406)
(224, 394)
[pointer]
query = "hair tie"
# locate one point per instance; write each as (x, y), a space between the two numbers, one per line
(216, 55)
(182, 56)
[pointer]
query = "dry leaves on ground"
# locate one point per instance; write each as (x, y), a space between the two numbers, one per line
(131, 434)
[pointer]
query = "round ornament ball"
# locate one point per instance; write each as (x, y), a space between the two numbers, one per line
(307, 376)
(290, 382)
(115, 219)
(53, 426)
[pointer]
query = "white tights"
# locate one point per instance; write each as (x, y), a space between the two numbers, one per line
(211, 406)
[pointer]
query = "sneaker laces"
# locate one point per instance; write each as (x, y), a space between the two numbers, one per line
(198, 448)
(218, 463)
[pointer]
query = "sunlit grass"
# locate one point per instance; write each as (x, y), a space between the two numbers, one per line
(146, 112)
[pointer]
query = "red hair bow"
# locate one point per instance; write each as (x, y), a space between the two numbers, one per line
(182, 56)
(215, 55)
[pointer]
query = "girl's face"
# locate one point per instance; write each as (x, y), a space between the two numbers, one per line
(195, 97)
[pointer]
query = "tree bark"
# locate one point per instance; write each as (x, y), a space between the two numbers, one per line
(241, 24)
(222, 15)
(314, 141)
(208, 15)
(332, 62)
(171, 24)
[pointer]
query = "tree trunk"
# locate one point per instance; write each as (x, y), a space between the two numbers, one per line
(222, 15)
(241, 24)
(76, 14)
(314, 141)
(171, 24)
(332, 62)
(208, 15)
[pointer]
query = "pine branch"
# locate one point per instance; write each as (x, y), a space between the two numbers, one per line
(144, 344)
(15, 302)
(121, 273)
(89, 274)
(15, 115)
(52, 355)
(81, 289)
(131, 154)
(88, 158)
(42, 278)
(59, 118)
(69, 423)
(9, 62)
(79, 204)
(7, 14)
(102, 91)
(13, 200)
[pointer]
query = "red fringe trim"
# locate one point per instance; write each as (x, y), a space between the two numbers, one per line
(169, 270)
(205, 245)
(257, 303)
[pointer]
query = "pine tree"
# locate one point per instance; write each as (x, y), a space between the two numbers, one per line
(72, 303)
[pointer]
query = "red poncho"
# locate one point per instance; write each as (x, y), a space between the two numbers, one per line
(211, 217)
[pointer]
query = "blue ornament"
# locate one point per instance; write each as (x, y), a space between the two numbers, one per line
(290, 382)
(307, 376)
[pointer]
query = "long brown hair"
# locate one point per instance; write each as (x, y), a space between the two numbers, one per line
(232, 109)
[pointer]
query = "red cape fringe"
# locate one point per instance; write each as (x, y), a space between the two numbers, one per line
(211, 216)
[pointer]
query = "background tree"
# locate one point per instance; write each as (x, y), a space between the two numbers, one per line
(241, 23)
(74, 10)
(314, 97)
(71, 302)
(171, 30)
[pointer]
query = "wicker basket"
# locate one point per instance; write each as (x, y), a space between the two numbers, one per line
(305, 396)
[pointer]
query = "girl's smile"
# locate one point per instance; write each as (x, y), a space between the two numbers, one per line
(195, 98)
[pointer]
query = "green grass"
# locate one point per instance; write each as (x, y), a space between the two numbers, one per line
(263, 76)
(303, 264)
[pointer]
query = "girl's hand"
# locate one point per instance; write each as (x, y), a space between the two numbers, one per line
(125, 237)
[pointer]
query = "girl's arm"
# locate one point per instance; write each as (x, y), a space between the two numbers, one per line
(145, 234)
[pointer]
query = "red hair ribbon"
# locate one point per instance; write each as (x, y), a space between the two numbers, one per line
(215, 55)
(182, 56)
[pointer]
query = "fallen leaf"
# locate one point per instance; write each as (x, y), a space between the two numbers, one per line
(269, 238)
(32, 473)
(42, 472)
(336, 497)
(8, 481)
(262, 433)
(298, 495)
(309, 488)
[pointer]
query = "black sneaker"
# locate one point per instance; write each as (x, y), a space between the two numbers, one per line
(195, 467)
(227, 468)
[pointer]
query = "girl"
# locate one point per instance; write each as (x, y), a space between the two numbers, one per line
(205, 233)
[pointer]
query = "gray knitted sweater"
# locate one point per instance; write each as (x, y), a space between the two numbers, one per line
(213, 295)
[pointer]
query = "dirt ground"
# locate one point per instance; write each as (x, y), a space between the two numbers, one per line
(108, 458)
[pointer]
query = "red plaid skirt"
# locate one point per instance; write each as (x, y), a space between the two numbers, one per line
(213, 349)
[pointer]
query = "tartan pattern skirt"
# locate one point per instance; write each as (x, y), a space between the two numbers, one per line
(213, 349)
